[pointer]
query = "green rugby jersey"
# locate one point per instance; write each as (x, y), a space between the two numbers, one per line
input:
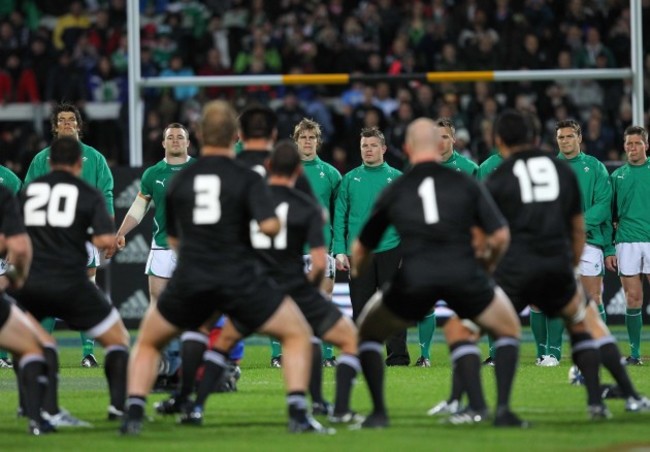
(631, 202)
(153, 185)
(325, 181)
(596, 194)
(359, 189)
(94, 171)
(488, 166)
(460, 163)
(9, 180)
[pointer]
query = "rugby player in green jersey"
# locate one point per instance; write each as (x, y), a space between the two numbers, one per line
(66, 121)
(324, 180)
(631, 215)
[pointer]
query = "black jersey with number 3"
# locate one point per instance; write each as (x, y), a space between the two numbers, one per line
(210, 206)
(433, 209)
(301, 222)
(539, 196)
(62, 213)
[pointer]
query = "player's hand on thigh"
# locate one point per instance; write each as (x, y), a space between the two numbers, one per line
(611, 262)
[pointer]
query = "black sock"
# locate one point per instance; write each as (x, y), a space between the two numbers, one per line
(372, 365)
(21, 389)
(33, 377)
(216, 365)
(316, 379)
(347, 367)
(51, 399)
(611, 359)
(586, 357)
(135, 407)
(456, 386)
(193, 347)
(297, 404)
(505, 364)
(115, 363)
(466, 361)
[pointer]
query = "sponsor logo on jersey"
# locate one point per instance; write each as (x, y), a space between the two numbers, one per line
(136, 251)
(161, 182)
(390, 179)
(617, 304)
(127, 196)
(135, 306)
(83, 159)
(358, 179)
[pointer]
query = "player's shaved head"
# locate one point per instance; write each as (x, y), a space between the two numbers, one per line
(219, 124)
(423, 139)
(285, 158)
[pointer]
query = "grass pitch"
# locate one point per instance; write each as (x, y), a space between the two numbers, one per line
(254, 418)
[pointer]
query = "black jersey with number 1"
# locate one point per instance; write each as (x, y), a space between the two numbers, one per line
(62, 213)
(433, 209)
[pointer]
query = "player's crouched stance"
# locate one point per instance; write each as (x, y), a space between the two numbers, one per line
(16, 331)
(209, 208)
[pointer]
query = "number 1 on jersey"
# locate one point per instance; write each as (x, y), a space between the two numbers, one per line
(427, 192)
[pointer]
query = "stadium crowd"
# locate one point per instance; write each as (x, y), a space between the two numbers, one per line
(77, 51)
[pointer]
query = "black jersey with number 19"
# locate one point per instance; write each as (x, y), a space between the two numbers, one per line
(540, 197)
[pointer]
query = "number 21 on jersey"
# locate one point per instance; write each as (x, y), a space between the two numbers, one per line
(54, 206)
(538, 180)
(261, 241)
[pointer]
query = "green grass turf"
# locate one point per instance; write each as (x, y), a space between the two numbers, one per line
(254, 418)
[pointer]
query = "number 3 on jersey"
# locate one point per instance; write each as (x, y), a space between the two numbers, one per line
(538, 180)
(54, 206)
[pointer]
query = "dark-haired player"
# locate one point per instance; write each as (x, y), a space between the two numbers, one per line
(59, 211)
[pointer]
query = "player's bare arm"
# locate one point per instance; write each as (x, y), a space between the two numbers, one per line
(496, 245)
(132, 218)
(20, 258)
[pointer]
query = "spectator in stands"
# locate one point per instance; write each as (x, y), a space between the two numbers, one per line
(177, 68)
(8, 41)
(598, 142)
(120, 57)
(85, 54)
(384, 99)
(40, 59)
(70, 26)
(18, 83)
(65, 81)
(214, 66)
(164, 48)
(103, 37)
(289, 114)
(425, 101)
(593, 48)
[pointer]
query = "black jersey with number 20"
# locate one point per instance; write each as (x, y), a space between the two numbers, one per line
(61, 213)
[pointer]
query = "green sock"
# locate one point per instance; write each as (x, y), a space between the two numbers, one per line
(276, 349)
(328, 350)
(602, 312)
(426, 328)
(88, 345)
(634, 322)
(4, 354)
(538, 326)
(554, 328)
(492, 349)
(48, 324)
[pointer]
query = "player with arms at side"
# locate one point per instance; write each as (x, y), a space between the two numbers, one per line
(155, 180)
(209, 209)
(59, 210)
(324, 180)
(66, 121)
(434, 210)
(631, 215)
